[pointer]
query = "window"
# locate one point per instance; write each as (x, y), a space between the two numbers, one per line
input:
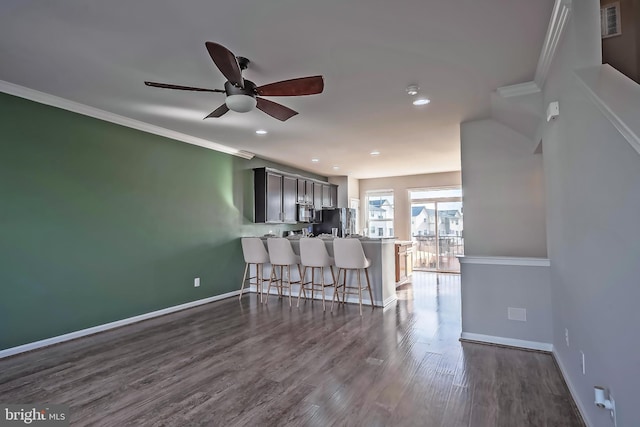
(380, 217)
(610, 20)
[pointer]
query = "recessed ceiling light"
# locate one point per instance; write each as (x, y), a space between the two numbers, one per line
(261, 132)
(335, 168)
(315, 160)
(375, 153)
(421, 101)
(412, 89)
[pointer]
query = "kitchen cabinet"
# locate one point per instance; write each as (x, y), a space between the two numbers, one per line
(333, 196)
(289, 196)
(278, 194)
(305, 191)
(326, 196)
(317, 196)
(329, 196)
(268, 196)
(404, 262)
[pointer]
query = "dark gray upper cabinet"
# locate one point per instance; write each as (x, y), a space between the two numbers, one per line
(305, 191)
(268, 196)
(289, 197)
(317, 195)
(277, 195)
(333, 195)
(329, 196)
(326, 196)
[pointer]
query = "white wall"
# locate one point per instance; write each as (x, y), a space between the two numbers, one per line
(592, 174)
(503, 192)
(401, 186)
(348, 188)
(490, 289)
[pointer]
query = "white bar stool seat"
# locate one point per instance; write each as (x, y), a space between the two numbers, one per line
(282, 257)
(255, 254)
(314, 255)
(349, 255)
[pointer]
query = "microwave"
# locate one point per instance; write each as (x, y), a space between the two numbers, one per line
(305, 213)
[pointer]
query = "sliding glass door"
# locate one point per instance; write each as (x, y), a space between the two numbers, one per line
(436, 229)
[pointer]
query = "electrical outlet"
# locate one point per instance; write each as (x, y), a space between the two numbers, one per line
(196, 282)
(566, 336)
(582, 364)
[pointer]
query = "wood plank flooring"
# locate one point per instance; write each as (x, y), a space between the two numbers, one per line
(234, 363)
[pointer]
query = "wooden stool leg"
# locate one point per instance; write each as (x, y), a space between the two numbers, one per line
(335, 289)
(324, 308)
(260, 277)
(344, 286)
(244, 278)
(366, 273)
(333, 276)
(273, 272)
(360, 292)
(304, 274)
(289, 279)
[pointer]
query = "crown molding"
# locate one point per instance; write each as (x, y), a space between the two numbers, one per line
(76, 107)
(520, 89)
(557, 25)
(555, 30)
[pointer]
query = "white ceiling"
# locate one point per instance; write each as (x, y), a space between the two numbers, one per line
(99, 53)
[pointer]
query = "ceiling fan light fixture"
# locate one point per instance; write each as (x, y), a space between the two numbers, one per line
(240, 103)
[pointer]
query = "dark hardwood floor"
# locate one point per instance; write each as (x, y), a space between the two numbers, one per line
(230, 363)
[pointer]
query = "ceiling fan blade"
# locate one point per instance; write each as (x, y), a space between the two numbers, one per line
(275, 110)
(169, 86)
(218, 111)
(226, 62)
(294, 87)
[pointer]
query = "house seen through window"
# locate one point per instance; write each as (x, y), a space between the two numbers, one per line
(380, 213)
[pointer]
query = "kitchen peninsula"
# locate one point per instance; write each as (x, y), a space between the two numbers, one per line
(381, 272)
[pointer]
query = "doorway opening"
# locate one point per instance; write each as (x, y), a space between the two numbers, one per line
(437, 229)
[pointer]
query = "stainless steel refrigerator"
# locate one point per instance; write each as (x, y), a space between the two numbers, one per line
(343, 219)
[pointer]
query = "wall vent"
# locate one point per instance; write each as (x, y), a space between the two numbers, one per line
(519, 314)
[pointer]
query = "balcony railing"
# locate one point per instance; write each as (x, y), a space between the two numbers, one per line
(438, 253)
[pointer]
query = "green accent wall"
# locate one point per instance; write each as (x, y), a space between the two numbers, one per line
(99, 222)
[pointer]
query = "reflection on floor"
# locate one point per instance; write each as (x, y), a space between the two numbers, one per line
(231, 363)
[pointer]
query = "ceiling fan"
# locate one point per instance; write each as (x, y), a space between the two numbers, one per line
(242, 94)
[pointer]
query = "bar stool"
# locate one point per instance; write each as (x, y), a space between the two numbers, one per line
(281, 255)
(349, 255)
(255, 254)
(314, 255)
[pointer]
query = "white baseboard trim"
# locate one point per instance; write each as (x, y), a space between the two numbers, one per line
(510, 342)
(118, 323)
(393, 298)
(572, 389)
